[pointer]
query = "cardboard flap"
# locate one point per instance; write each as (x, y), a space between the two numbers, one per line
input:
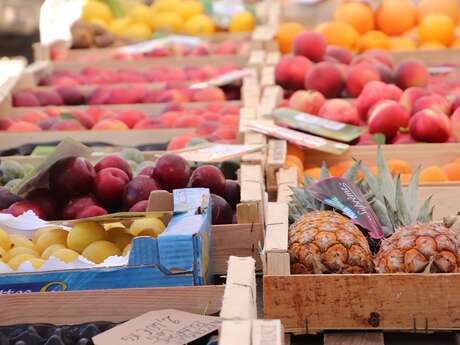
(160, 200)
(144, 252)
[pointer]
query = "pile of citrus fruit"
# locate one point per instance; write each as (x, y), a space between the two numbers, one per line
(397, 25)
(171, 16)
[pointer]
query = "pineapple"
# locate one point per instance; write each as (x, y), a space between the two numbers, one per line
(414, 243)
(324, 241)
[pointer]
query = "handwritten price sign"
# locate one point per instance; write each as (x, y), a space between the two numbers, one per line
(162, 327)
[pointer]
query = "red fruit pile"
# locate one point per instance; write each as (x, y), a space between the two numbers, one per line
(156, 74)
(215, 122)
(77, 189)
(107, 94)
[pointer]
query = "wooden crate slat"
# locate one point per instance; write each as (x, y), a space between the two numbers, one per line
(116, 305)
(354, 338)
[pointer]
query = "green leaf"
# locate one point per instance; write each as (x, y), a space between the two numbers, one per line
(372, 182)
(381, 212)
(425, 213)
(401, 207)
(387, 182)
(411, 196)
(379, 139)
(324, 172)
(351, 173)
(67, 116)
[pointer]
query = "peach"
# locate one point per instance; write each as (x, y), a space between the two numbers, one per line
(71, 95)
(385, 72)
(379, 55)
(172, 172)
(149, 123)
(171, 95)
(130, 117)
(387, 117)
(227, 47)
(310, 44)
(92, 211)
(339, 110)
(109, 185)
(226, 132)
(326, 78)
(340, 54)
(411, 95)
(25, 99)
(455, 103)
(430, 126)
(307, 101)
(188, 121)
(47, 203)
(455, 122)
(110, 125)
(5, 123)
(99, 95)
(359, 76)
(114, 161)
(67, 125)
(33, 116)
(403, 138)
(372, 93)
(434, 102)
(179, 142)
(151, 96)
(49, 97)
(84, 118)
(48, 123)
(125, 96)
(411, 73)
(282, 72)
(23, 126)
(169, 118)
(207, 128)
(291, 70)
(209, 94)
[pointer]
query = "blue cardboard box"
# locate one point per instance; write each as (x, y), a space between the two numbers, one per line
(180, 256)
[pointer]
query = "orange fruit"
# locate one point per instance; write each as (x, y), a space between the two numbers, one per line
(433, 45)
(452, 171)
(339, 34)
(401, 43)
(313, 172)
(286, 35)
(405, 178)
(449, 7)
(398, 166)
(297, 151)
(374, 170)
(394, 17)
(433, 174)
(357, 14)
(437, 27)
(242, 22)
(339, 169)
(373, 40)
(293, 161)
(455, 43)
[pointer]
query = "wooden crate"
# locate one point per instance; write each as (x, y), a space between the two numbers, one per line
(308, 304)
(443, 193)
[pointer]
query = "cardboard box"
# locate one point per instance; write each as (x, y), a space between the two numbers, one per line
(180, 256)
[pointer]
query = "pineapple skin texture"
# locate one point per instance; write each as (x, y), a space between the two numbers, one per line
(420, 248)
(327, 242)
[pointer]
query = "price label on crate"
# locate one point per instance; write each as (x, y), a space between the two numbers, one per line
(216, 153)
(10, 71)
(224, 79)
(161, 327)
(56, 19)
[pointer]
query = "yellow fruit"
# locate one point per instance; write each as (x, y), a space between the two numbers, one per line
(17, 261)
(147, 227)
(140, 13)
(96, 9)
(119, 26)
(286, 34)
(51, 249)
(5, 241)
(437, 27)
(137, 31)
(402, 44)
(37, 263)
(119, 237)
(83, 234)
(109, 226)
(66, 255)
(23, 250)
(165, 5)
(167, 22)
(449, 7)
(40, 232)
(199, 25)
(54, 236)
(189, 8)
(4, 256)
(98, 251)
(127, 250)
(242, 22)
(20, 241)
(99, 22)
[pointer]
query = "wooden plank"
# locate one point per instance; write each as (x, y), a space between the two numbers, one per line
(235, 239)
(267, 332)
(118, 138)
(276, 224)
(248, 213)
(277, 150)
(252, 183)
(259, 157)
(109, 305)
(240, 297)
(286, 178)
(277, 264)
(444, 198)
(353, 338)
(399, 302)
(234, 332)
